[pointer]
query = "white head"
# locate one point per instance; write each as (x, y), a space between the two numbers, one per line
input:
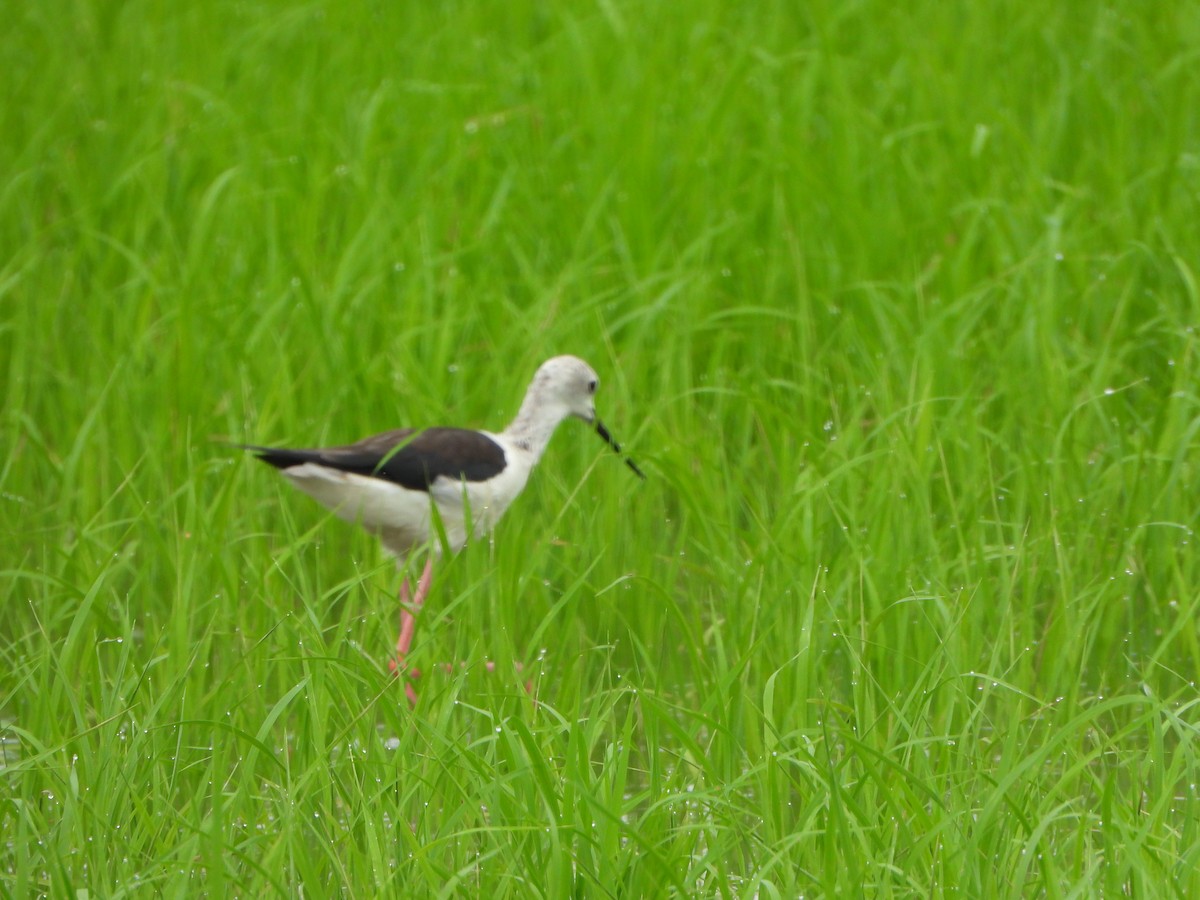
(567, 385)
(563, 386)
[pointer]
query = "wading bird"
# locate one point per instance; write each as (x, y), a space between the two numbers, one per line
(392, 482)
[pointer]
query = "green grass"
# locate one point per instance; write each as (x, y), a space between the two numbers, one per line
(896, 305)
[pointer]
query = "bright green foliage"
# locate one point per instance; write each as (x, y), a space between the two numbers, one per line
(894, 303)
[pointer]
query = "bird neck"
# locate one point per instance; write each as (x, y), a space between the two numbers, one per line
(534, 425)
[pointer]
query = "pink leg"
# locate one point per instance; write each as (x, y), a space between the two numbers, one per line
(409, 607)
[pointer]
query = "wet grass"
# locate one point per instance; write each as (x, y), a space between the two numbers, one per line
(895, 307)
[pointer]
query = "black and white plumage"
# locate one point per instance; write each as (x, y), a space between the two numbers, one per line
(388, 482)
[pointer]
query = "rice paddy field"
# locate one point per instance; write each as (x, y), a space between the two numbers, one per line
(895, 304)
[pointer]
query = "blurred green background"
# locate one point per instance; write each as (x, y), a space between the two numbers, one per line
(896, 306)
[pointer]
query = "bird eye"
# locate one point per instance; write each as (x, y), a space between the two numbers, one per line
(592, 386)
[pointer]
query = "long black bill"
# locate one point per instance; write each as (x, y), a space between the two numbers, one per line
(608, 439)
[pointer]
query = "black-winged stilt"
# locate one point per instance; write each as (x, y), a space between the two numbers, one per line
(390, 483)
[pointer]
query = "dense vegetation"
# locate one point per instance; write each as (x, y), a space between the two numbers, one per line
(895, 304)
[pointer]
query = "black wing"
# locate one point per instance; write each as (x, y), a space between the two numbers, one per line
(410, 458)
